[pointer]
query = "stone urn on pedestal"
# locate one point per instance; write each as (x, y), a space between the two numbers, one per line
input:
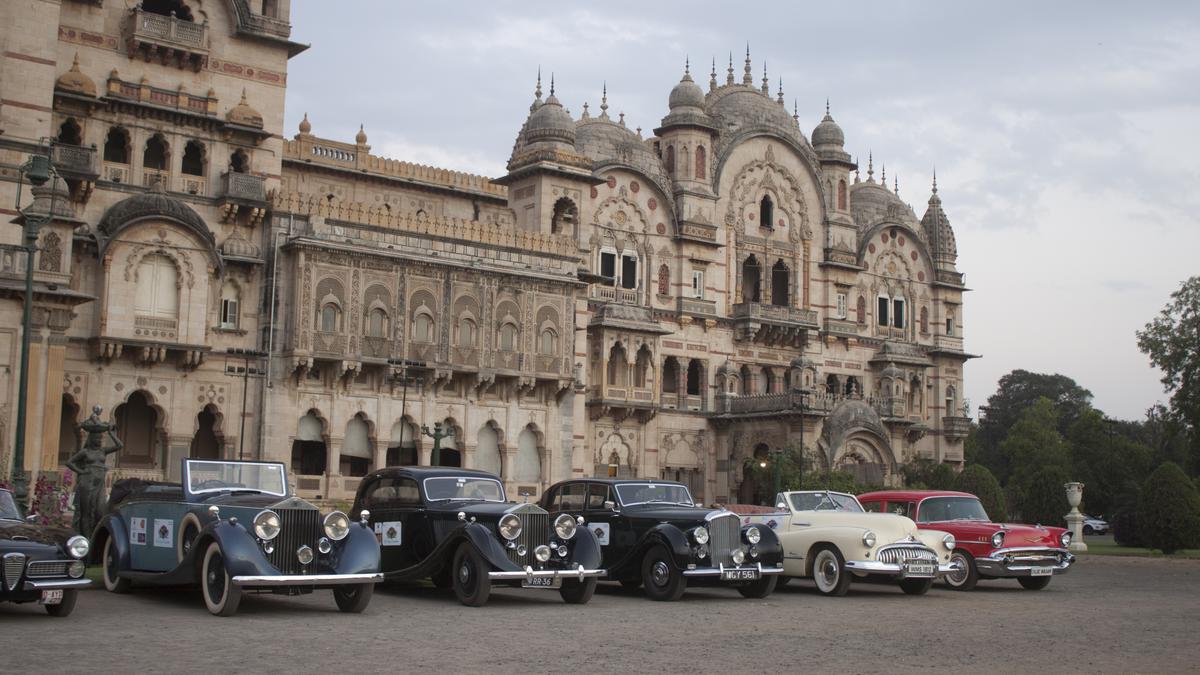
(1075, 518)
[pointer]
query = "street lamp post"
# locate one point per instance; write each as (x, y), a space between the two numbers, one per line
(800, 396)
(402, 366)
(246, 355)
(38, 170)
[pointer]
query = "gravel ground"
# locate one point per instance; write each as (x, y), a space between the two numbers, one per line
(1109, 614)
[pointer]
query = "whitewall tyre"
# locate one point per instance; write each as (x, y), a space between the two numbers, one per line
(829, 572)
(221, 597)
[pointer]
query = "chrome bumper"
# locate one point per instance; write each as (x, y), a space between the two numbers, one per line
(529, 573)
(51, 584)
(306, 579)
(895, 569)
(717, 571)
(999, 567)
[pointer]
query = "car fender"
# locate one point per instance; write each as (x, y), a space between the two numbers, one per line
(673, 538)
(770, 548)
(585, 549)
(242, 553)
(112, 526)
(357, 553)
(488, 545)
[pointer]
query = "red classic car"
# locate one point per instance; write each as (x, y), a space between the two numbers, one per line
(984, 550)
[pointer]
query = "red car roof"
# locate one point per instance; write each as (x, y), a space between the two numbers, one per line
(912, 494)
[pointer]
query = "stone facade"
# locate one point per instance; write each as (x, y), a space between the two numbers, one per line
(664, 306)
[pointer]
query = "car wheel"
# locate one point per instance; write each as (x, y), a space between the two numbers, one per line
(220, 595)
(631, 584)
(470, 577)
(112, 582)
(759, 589)
(659, 576)
(1087, 529)
(187, 539)
(965, 578)
(576, 591)
(353, 598)
(783, 581)
(1034, 583)
(829, 572)
(65, 607)
(916, 586)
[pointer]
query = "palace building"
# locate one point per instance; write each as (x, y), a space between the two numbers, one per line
(665, 305)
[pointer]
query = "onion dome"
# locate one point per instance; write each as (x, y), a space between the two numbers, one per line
(75, 82)
(828, 133)
(938, 233)
(237, 246)
(687, 93)
(361, 137)
(891, 372)
(243, 115)
(803, 362)
(305, 125)
(687, 106)
(550, 122)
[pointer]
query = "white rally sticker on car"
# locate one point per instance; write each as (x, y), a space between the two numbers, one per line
(137, 531)
(601, 532)
(164, 533)
(388, 533)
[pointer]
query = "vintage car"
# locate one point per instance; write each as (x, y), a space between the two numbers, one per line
(830, 537)
(653, 535)
(40, 564)
(1093, 525)
(233, 527)
(983, 550)
(457, 527)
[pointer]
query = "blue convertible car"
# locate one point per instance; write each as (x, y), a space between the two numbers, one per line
(233, 527)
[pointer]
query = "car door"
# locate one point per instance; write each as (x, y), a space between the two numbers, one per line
(610, 526)
(153, 526)
(393, 502)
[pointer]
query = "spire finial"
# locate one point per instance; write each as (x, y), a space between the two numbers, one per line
(856, 171)
(712, 77)
(585, 116)
(766, 85)
(551, 84)
(747, 77)
(826, 105)
(305, 125)
(780, 99)
(621, 121)
(935, 180)
(883, 175)
(870, 167)
(604, 102)
(796, 111)
(537, 92)
(687, 65)
(896, 185)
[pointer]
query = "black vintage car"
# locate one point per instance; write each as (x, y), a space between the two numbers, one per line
(40, 564)
(654, 535)
(233, 527)
(456, 527)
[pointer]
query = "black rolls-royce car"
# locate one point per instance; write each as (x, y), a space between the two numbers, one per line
(654, 535)
(39, 564)
(456, 527)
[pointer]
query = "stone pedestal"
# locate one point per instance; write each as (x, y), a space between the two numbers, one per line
(1075, 518)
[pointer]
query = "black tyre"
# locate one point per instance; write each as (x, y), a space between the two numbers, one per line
(660, 577)
(470, 577)
(577, 592)
(783, 581)
(1034, 583)
(916, 586)
(1087, 529)
(65, 607)
(829, 572)
(967, 576)
(187, 539)
(759, 589)
(108, 561)
(353, 598)
(221, 596)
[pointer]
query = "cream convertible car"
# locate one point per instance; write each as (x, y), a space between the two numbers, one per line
(829, 537)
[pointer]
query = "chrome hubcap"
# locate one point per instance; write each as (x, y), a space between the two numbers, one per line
(959, 575)
(464, 573)
(660, 573)
(829, 571)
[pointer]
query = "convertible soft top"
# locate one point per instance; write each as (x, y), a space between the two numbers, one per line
(146, 489)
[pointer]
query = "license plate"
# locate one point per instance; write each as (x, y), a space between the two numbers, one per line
(1041, 571)
(51, 597)
(740, 575)
(542, 582)
(919, 570)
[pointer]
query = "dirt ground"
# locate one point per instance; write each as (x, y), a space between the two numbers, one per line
(1108, 615)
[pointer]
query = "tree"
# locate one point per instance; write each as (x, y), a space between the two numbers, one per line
(1172, 341)
(1034, 444)
(1016, 392)
(1168, 512)
(1045, 498)
(927, 474)
(980, 482)
(1105, 458)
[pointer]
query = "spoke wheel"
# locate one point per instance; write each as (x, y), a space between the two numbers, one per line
(112, 582)
(469, 577)
(829, 572)
(965, 577)
(65, 607)
(659, 576)
(220, 595)
(353, 598)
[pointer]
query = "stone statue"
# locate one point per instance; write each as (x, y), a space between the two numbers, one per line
(89, 465)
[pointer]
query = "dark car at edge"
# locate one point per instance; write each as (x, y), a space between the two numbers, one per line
(39, 563)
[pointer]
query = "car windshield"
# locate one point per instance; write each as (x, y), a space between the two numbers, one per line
(824, 501)
(208, 476)
(8, 507)
(938, 509)
(462, 487)
(645, 493)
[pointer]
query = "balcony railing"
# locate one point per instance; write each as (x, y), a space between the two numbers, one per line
(775, 325)
(697, 306)
(956, 428)
(243, 186)
(168, 36)
(814, 402)
(775, 313)
(627, 296)
(74, 159)
(841, 327)
(949, 343)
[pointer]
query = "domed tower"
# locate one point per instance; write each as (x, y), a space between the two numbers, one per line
(828, 142)
(685, 144)
(938, 234)
(545, 153)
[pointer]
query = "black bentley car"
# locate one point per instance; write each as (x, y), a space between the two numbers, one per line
(654, 535)
(40, 564)
(456, 527)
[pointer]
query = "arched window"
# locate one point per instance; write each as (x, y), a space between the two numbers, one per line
(156, 154)
(766, 212)
(781, 281)
(547, 342)
(670, 375)
(193, 158)
(239, 162)
(377, 323)
(832, 386)
(641, 368)
(357, 447)
(747, 379)
(69, 133)
(68, 429)
(701, 163)
(618, 368)
(853, 387)
(157, 294)
(684, 161)
(951, 401)
(950, 323)
(308, 450)
(423, 328)
(116, 146)
(137, 427)
(924, 320)
(671, 160)
(751, 280)
(168, 8)
(467, 333)
(402, 450)
(508, 337)
(841, 195)
(860, 311)
(664, 280)
(564, 217)
(487, 449)
(331, 316)
(230, 306)
(205, 442)
(528, 467)
(899, 313)
(695, 377)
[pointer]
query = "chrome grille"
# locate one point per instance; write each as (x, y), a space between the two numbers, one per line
(535, 531)
(895, 555)
(14, 564)
(42, 569)
(724, 535)
(1034, 557)
(297, 527)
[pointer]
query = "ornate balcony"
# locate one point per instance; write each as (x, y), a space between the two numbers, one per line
(621, 402)
(697, 307)
(955, 428)
(242, 193)
(841, 328)
(773, 325)
(75, 161)
(167, 38)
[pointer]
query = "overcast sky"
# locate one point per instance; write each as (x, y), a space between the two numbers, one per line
(1065, 135)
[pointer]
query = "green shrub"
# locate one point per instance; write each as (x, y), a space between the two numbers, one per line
(1045, 499)
(942, 477)
(1168, 512)
(1124, 517)
(980, 482)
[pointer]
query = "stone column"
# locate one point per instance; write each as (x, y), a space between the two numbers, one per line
(1075, 518)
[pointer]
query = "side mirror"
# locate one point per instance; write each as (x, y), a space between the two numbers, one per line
(781, 506)
(610, 505)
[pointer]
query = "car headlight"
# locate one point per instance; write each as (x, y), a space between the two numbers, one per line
(948, 542)
(564, 526)
(266, 525)
(542, 553)
(78, 546)
(753, 535)
(739, 556)
(337, 526)
(510, 526)
(700, 535)
(998, 539)
(76, 569)
(869, 539)
(1065, 538)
